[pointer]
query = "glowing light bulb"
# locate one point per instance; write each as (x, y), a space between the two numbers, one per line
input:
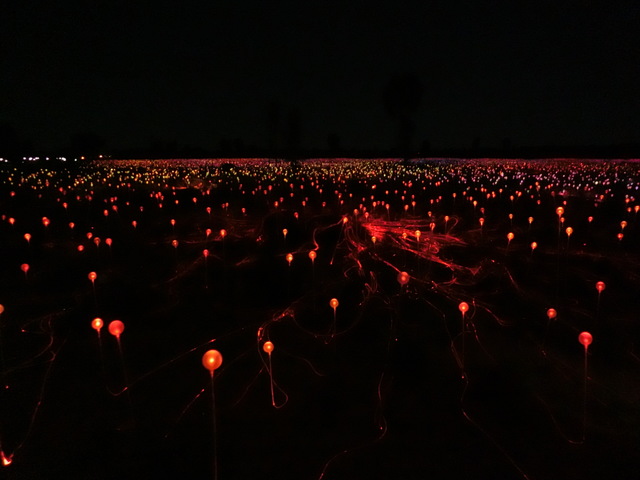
(333, 303)
(551, 313)
(585, 338)
(116, 327)
(97, 324)
(403, 278)
(268, 347)
(463, 307)
(600, 286)
(211, 360)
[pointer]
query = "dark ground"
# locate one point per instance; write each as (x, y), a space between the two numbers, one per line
(384, 397)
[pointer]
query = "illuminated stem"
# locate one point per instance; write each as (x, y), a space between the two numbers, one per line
(462, 354)
(273, 400)
(584, 410)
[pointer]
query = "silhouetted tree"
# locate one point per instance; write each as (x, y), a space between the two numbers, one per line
(402, 96)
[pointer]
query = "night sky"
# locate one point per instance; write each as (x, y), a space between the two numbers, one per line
(249, 73)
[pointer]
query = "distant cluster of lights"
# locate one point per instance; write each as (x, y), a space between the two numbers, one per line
(37, 159)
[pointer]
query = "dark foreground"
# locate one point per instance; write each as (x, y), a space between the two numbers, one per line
(388, 388)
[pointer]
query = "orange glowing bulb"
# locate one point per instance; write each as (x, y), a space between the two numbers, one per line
(27, 237)
(92, 276)
(510, 236)
(289, 258)
(569, 231)
(174, 243)
(534, 245)
(403, 278)
(374, 239)
(116, 328)
(530, 220)
(559, 211)
(623, 224)
(463, 307)
(313, 255)
(211, 360)
(223, 233)
(268, 347)
(97, 324)
(551, 313)
(1, 308)
(333, 303)
(585, 338)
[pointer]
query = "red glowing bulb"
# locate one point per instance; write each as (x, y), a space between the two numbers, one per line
(463, 307)
(403, 278)
(97, 324)
(600, 286)
(92, 276)
(116, 328)
(211, 360)
(268, 347)
(551, 313)
(585, 339)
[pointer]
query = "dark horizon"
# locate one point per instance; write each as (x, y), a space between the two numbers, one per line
(287, 78)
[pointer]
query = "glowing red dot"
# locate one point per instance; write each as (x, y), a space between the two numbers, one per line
(585, 339)
(211, 360)
(116, 328)
(97, 324)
